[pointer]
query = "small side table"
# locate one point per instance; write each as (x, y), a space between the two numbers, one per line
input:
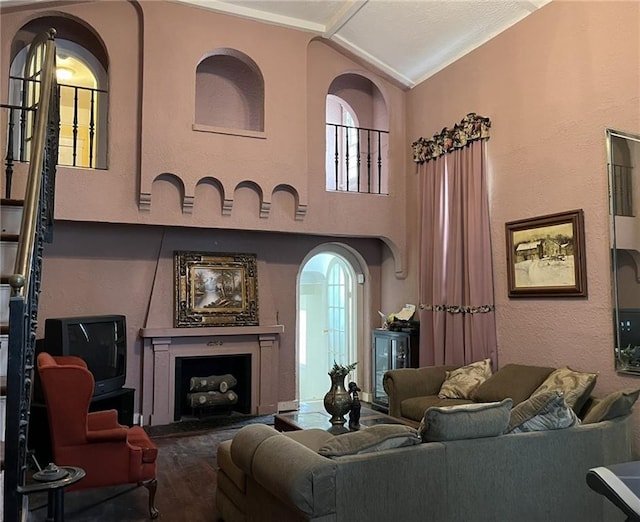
(53, 480)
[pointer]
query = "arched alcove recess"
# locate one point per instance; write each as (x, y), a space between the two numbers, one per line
(247, 190)
(207, 189)
(300, 209)
(169, 188)
(229, 92)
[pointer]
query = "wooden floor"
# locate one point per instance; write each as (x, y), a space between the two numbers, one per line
(186, 487)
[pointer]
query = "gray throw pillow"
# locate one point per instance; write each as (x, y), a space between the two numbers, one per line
(517, 381)
(544, 411)
(465, 421)
(376, 438)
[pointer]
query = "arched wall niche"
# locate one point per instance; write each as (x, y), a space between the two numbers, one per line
(229, 91)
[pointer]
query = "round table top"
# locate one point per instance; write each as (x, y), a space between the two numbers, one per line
(74, 474)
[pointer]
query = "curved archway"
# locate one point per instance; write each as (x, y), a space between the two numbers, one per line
(82, 66)
(357, 137)
(330, 293)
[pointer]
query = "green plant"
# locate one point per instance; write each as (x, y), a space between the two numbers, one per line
(339, 369)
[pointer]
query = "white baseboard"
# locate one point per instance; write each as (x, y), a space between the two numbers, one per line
(366, 396)
(288, 406)
(138, 420)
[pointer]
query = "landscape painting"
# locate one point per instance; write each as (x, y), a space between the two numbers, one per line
(545, 256)
(215, 289)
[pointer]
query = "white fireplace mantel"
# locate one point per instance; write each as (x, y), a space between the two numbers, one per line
(161, 347)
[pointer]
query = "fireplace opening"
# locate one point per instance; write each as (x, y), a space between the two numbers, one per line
(239, 366)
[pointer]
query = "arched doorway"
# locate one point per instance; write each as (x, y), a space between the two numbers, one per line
(329, 317)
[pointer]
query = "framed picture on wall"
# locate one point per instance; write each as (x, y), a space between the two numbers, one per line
(215, 289)
(546, 256)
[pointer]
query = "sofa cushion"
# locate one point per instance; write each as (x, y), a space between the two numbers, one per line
(415, 407)
(574, 386)
(465, 421)
(517, 381)
(543, 411)
(616, 404)
(460, 383)
(376, 438)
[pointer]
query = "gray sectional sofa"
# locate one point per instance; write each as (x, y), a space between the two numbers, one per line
(267, 476)
(536, 476)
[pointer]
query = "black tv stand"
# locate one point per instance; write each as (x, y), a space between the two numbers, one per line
(39, 440)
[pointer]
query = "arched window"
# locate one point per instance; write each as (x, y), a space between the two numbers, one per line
(82, 87)
(343, 158)
(357, 141)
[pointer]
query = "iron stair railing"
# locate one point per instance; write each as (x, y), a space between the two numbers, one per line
(36, 228)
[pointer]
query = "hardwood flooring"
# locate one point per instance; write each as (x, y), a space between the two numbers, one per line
(186, 486)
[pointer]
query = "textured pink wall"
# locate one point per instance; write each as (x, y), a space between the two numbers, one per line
(551, 85)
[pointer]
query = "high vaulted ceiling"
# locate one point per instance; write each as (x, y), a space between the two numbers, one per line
(409, 40)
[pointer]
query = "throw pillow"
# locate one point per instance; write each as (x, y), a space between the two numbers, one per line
(517, 381)
(544, 411)
(465, 421)
(459, 383)
(616, 404)
(376, 438)
(574, 386)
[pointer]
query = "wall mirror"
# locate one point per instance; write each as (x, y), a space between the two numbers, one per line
(623, 164)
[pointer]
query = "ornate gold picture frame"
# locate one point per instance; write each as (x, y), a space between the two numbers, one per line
(215, 289)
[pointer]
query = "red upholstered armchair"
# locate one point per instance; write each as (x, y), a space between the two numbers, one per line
(109, 453)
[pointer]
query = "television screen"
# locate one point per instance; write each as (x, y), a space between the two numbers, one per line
(101, 341)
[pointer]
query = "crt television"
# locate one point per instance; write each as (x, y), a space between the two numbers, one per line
(101, 341)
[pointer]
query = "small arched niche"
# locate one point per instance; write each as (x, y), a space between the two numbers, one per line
(229, 92)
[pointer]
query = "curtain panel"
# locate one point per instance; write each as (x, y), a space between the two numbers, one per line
(456, 309)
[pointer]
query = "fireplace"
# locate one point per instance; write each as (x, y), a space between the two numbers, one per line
(187, 367)
(165, 349)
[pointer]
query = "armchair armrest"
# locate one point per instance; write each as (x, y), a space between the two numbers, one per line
(405, 383)
(108, 435)
(103, 420)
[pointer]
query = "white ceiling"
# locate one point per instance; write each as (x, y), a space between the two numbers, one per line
(410, 40)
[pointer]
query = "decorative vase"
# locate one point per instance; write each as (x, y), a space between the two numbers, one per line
(337, 400)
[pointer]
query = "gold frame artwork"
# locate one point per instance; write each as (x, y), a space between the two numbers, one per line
(546, 256)
(215, 289)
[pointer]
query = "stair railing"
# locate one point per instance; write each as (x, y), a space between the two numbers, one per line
(36, 227)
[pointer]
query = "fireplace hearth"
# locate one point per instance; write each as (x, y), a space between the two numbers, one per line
(186, 368)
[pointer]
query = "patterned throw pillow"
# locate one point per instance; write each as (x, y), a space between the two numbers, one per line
(545, 411)
(465, 421)
(460, 383)
(574, 386)
(616, 404)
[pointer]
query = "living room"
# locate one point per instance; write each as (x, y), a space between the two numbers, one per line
(550, 84)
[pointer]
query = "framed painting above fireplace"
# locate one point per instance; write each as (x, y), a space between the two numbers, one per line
(215, 289)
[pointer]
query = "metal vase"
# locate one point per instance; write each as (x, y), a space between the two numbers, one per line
(337, 400)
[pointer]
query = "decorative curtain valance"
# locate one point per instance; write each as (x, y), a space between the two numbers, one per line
(471, 128)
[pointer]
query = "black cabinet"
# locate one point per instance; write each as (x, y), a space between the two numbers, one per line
(391, 350)
(39, 439)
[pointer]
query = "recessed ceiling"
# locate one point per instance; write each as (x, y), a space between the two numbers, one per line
(410, 40)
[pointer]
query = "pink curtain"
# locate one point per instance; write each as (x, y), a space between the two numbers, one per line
(457, 317)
